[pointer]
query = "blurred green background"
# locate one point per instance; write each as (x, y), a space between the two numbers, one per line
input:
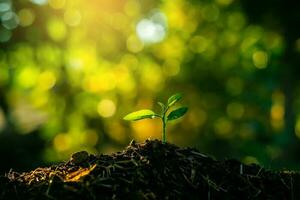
(71, 69)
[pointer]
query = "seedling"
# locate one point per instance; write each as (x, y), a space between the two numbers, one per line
(165, 115)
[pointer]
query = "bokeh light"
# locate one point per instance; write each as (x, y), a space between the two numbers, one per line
(106, 108)
(2, 120)
(39, 2)
(152, 30)
(10, 20)
(5, 6)
(26, 17)
(260, 59)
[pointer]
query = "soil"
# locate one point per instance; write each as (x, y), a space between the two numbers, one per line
(150, 170)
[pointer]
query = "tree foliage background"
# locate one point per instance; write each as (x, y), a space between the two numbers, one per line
(71, 69)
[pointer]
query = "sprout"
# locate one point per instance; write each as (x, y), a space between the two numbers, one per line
(165, 116)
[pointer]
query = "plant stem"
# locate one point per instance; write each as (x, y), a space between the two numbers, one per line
(164, 122)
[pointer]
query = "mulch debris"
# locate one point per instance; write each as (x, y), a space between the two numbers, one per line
(150, 170)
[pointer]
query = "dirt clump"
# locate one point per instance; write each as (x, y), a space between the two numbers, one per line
(150, 170)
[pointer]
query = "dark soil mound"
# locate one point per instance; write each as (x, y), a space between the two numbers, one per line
(150, 170)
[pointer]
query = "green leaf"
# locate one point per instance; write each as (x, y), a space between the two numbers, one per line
(174, 98)
(141, 114)
(175, 114)
(163, 107)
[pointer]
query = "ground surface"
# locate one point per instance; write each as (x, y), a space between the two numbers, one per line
(150, 170)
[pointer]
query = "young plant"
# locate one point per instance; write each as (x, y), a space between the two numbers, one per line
(165, 115)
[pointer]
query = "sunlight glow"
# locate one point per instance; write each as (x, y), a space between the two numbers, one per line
(145, 129)
(152, 30)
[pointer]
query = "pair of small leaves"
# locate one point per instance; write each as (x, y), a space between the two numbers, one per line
(171, 101)
(149, 114)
